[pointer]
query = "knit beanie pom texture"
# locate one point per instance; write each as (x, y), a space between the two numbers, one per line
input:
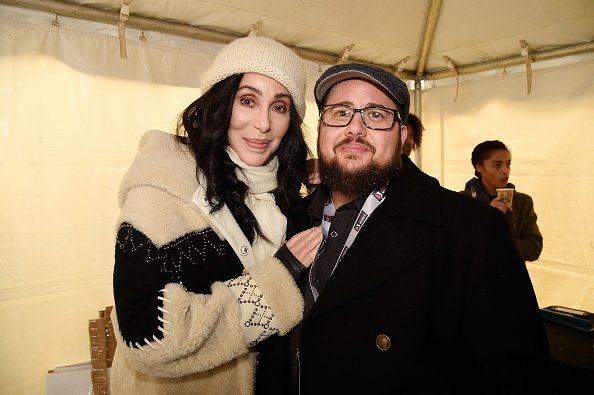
(264, 56)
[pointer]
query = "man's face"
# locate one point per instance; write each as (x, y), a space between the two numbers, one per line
(354, 153)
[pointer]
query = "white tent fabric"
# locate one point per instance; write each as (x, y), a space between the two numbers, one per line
(550, 135)
(71, 114)
(413, 35)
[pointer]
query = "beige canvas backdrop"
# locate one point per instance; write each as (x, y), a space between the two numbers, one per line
(71, 114)
(550, 133)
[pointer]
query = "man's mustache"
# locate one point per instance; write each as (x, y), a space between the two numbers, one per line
(348, 140)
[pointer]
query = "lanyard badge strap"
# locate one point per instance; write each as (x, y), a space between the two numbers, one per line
(371, 203)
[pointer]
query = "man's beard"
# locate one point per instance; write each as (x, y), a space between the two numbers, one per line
(360, 181)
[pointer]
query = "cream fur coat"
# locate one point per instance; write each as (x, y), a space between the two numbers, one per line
(205, 346)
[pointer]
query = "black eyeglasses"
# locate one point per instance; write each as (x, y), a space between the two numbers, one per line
(376, 118)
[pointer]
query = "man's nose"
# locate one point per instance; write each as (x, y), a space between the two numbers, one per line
(357, 126)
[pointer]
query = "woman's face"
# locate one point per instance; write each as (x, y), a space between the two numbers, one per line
(259, 119)
(495, 170)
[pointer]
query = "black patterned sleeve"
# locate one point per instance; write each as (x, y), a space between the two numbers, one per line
(137, 282)
(142, 270)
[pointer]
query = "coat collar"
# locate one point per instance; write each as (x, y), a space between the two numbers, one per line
(163, 163)
(384, 247)
(414, 194)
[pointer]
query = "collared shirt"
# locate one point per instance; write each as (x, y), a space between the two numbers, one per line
(340, 227)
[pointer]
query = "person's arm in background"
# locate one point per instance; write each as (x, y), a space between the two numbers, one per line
(525, 232)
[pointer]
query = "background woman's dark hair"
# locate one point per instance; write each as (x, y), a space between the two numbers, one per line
(417, 129)
(204, 125)
(483, 151)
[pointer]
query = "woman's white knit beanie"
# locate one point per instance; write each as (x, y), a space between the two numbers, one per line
(264, 56)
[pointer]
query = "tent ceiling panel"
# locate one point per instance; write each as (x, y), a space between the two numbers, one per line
(383, 32)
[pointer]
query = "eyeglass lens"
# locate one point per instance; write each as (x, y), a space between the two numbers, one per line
(373, 117)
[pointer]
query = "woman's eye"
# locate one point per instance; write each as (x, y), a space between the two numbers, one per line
(247, 101)
(281, 108)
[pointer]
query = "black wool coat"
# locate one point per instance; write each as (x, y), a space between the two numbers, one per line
(431, 298)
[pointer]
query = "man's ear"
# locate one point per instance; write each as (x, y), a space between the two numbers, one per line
(403, 133)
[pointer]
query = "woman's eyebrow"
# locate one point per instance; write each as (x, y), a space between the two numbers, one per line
(280, 95)
(259, 92)
(251, 88)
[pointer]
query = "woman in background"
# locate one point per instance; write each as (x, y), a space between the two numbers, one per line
(414, 134)
(196, 285)
(492, 166)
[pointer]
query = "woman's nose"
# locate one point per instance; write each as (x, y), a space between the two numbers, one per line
(262, 121)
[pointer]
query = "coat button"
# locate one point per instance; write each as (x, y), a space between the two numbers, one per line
(243, 250)
(383, 342)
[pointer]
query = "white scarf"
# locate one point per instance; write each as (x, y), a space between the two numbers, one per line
(261, 181)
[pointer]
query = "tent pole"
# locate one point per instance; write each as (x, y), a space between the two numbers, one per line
(417, 100)
(428, 36)
(514, 61)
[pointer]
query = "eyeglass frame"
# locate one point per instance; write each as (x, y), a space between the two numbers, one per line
(360, 111)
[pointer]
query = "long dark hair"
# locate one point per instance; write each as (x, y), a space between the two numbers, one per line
(483, 151)
(204, 126)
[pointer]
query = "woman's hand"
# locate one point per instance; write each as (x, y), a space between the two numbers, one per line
(501, 203)
(304, 245)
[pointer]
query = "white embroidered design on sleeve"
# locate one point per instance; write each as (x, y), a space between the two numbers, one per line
(257, 319)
